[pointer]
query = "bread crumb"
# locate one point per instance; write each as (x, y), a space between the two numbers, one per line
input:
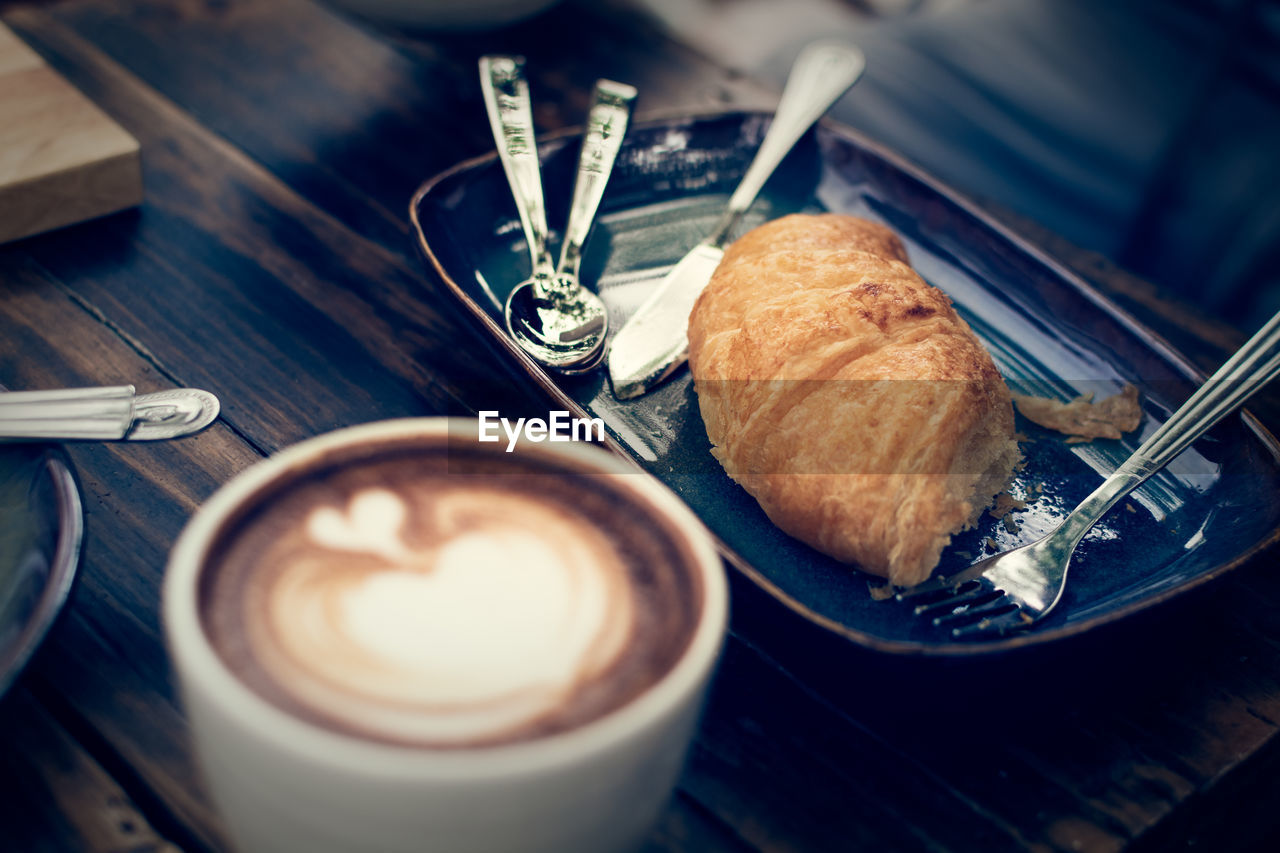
(880, 590)
(1082, 419)
(1005, 504)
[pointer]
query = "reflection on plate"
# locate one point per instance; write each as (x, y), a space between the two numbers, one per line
(1049, 333)
(41, 525)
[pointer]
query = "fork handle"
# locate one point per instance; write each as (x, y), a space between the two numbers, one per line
(1253, 365)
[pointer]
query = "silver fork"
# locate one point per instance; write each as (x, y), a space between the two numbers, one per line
(1013, 590)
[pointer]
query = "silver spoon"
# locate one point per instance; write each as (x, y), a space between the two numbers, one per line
(550, 315)
(573, 309)
(568, 324)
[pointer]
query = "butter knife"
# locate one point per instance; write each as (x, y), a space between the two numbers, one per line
(653, 342)
(115, 413)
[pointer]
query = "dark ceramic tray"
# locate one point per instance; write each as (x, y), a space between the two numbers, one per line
(41, 525)
(1048, 331)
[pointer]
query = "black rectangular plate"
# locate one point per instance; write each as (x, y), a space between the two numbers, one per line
(1048, 331)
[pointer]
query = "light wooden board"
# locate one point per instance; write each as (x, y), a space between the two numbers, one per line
(62, 160)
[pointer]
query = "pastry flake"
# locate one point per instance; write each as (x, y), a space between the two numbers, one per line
(1082, 419)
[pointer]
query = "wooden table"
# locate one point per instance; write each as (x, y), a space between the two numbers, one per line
(272, 264)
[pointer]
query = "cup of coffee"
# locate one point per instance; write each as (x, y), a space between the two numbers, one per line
(396, 637)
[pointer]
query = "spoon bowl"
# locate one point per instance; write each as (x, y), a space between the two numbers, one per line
(558, 322)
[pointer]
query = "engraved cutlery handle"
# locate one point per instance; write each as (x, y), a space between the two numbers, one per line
(506, 100)
(821, 74)
(104, 414)
(606, 126)
(73, 413)
(1253, 366)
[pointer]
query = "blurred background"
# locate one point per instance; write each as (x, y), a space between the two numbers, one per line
(1145, 130)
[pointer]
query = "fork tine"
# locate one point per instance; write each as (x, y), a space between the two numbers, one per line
(1004, 623)
(943, 584)
(968, 614)
(979, 594)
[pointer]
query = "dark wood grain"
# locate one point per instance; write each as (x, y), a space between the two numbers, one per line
(55, 797)
(103, 668)
(1101, 742)
(271, 264)
(268, 282)
(794, 772)
(105, 659)
(353, 120)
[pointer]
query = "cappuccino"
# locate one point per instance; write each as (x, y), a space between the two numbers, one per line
(437, 594)
(397, 637)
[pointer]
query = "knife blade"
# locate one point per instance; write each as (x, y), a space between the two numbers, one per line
(653, 343)
(646, 352)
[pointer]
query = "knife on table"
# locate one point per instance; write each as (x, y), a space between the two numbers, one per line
(653, 342)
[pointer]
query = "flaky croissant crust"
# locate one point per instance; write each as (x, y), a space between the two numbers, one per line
(847, 396)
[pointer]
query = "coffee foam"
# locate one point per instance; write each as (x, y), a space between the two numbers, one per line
(405, 602)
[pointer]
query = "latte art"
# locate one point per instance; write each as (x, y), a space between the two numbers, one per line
(404, 602)
(489, 624)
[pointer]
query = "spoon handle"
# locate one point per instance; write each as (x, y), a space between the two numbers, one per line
(606, 126)
(114, 413)
(506, 100)
(81, 413)
(821, 74)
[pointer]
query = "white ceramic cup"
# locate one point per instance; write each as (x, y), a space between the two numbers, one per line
(284, 784)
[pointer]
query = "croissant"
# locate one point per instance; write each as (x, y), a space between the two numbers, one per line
(847, 396)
